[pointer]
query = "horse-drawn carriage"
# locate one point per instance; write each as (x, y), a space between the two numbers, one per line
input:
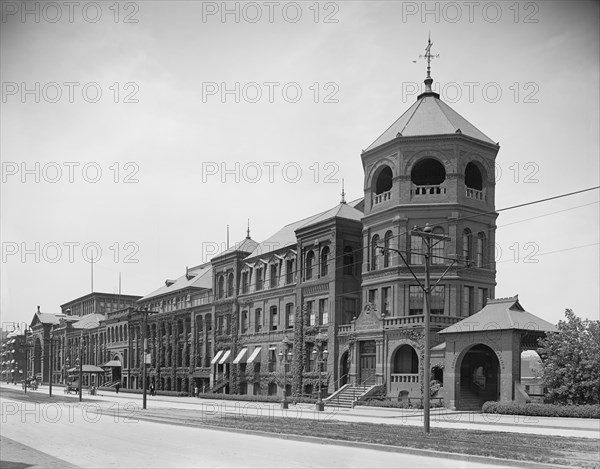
(72, 387)
(31, 382)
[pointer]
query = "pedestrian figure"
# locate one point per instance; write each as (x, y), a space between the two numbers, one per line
(152, 389)
(117, 386)
(196, 394)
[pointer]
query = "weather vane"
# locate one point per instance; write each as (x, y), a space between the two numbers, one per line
(428, 55)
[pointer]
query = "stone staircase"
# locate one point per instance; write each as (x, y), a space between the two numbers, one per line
(347, 394)
(470, 400)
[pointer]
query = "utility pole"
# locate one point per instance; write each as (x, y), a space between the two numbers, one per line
(144, 352)
(431, 240)
(80, 368)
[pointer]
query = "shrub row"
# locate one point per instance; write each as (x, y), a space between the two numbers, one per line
(591, 411)
(250, 398)
(389, 403)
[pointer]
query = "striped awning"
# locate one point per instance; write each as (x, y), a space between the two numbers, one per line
(224, 357)
(254, 355)
(240, 355)
(216, 357)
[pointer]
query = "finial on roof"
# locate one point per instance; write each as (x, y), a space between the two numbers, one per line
(227, 236)
(343, 201)
(428, 80)
(248, 230)
(38, 309)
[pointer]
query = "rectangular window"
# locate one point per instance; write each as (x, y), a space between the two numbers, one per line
(415, 306)
(373, 297)
(323, 312)
(244, 322)
(311, 313)
(272, 358)
(244, 282)
(273, 318)
(259, 279)
(438, 299)
(274, 278)
(220, 321)
(289, 316)
(482, 295)
(416, 250)
(385, 300)
(467, 301)
(289, 271)
(349, 309)
(258, 320)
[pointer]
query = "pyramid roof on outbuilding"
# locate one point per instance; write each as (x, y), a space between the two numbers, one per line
(501, 314)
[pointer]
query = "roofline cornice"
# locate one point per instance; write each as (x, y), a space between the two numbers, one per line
(429, 138)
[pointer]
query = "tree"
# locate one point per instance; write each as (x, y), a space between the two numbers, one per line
(570, 361)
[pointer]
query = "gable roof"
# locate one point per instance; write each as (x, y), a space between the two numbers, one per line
(501, 314)
(429, 116)
(286, 236)
(202, 278)
(246, 245)
(89, 321)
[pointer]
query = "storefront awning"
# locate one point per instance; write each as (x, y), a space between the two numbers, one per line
(240, 355)
(86, 369)
(115, 363)
(224, 357)
(216, 357)
(254, 355)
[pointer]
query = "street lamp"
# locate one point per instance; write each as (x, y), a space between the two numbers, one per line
(65, 370)
(144, 354)
(285, 355)
(80, 368)
(320, 354)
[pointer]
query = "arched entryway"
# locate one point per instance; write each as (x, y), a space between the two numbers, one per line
(344, 368)
(479, 376)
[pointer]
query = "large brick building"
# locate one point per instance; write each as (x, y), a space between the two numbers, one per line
(332, 300)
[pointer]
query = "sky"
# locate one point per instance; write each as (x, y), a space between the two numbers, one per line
(133, 133)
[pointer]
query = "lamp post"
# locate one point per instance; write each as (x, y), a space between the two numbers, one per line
(80, 368)
(144, 353)
(66, 370)
(285, 355)
(320, 355)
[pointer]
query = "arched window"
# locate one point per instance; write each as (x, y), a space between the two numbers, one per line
(480, 257)
(324, 261)
(387, 254)
(310, 260)
(428, 172)
(374, 252)
(230, 285)
(406, 360)
(383, 182)
(221, 286)
(473, 177)
(439, 248)
(348, 261)
(467, 247)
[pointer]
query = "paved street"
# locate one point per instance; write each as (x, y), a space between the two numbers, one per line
(440, 418)
(92, 435)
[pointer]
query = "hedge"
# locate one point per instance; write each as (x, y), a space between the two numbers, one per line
(250, 398)
(392, 404)
(591, 411)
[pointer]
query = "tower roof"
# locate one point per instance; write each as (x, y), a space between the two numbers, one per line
(429, 115)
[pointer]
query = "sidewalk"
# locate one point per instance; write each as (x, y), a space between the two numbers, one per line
(440, 418)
